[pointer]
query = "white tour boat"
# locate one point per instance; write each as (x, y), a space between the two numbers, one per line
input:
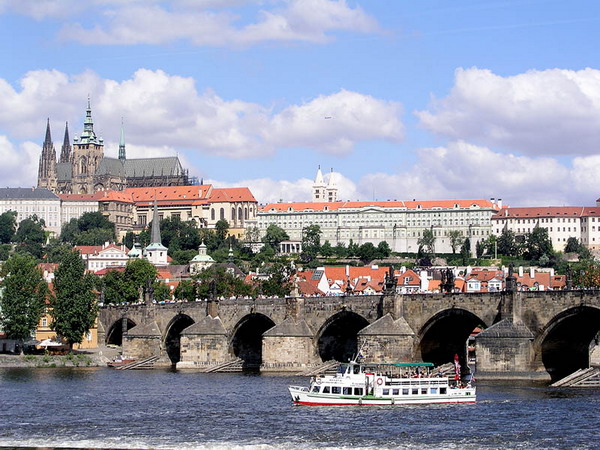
(383, 384)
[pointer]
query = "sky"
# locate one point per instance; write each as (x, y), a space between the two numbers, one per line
(401, 99)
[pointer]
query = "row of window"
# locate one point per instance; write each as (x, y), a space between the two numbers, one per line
(346, 390)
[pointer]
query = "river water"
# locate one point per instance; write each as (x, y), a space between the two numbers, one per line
(103, 408)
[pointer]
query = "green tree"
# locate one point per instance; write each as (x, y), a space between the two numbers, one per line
(24, 292)
(572, 245)
(30, 236)
(352, 248)
(182, 257)
(465, 251)
(384, 250)
(92, 228)
(73, 307)
(252, 235)
(426, 245)
(456, 239)
(278, 282)
(136, 275)
(221, 229)
(538, 244)
(5, 251)
(186, 290)
(114, 287)
(327, 250)
(479, 248)
(56, 250)
(507, 243)
(216, 279)
(340, 250)
(274, 235)
(367, 252)
(8, 226)
(129, 239)
(162, 292)
(178, 235)
(311, 242)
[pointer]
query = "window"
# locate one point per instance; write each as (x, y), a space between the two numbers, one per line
(405, 391)
(335, 389)
(442, 391)
(326, 389)
(44, 322)
(386, 392)
(423, 391)
(315, 389)
(347, 390)
(395, 391)
(415, 391)
(358, 391)
(433, 391)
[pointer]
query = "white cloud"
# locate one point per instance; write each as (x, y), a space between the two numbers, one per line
(211, 23)
(465, 171)
(19, 164)
(551, 112)
(162, 110)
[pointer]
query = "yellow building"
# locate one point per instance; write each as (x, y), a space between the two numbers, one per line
(43, 332)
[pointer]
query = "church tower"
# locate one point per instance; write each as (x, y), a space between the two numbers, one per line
(331, 189)
(88, 151)
(156, 253)
(319, 187)
(122, 144)
(47, 177)
(65, 151)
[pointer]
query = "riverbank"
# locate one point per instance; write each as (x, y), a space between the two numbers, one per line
(81, 358)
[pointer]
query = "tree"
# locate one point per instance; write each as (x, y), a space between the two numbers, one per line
(30, 236)
(186, 290)
(114, 287)
(177, 235)
(384, 250)
(465, 251)
(573, 245)
(162, 291)
(327, 249)
(507, 243)
(479, 248)
(92, 228)
(73, 306)
(8, 226)
(55, 251)
(216, 280)
(222, 229)
(252, 235)
(129, 239)
(426, 244)
(311, 241)
(278, 282)
(456, 239)
(274, 235)
(5, 251)
(23, 297)
(340, 250)
(538, 244)
(367, 252)
(183, 257)
(136, 275)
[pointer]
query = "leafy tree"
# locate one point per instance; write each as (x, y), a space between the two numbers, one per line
(572, 245)
(55, 251)
(5, 251)
(252, 234)
(327, 250)
(278, 282)
(465, 251)
(144, 237)
(94, 220)
(426, 244)
(538, 244)
(479, 248)
(456, 239)
(23, 296)
(8, 226)
(352, 248)
(178, 235)
(92, 228)
(221, 229)
(114, 287)
(588, 275)
(311, 242)
(216, 279)
(97, 236)
(367, 252)
(507, 243)
(183, 257)
(73, 306)
(384, 250)
(274, 235)
(129, 239)
(185, 290)
(162, 291)
(136, 275)
(30, 236)
(340, 250)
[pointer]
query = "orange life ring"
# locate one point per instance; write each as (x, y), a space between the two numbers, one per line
(379, 381)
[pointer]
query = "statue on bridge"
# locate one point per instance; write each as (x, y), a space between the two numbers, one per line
(511, 280)
(390, 281)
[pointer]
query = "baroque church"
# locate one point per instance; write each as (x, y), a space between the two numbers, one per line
(82, 167)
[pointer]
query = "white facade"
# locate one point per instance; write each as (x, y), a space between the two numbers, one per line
(399, 223)
(110, 255)
(74, 209)
(562, 223)
(27, 202)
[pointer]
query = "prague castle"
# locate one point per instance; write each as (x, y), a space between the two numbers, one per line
(82, 167)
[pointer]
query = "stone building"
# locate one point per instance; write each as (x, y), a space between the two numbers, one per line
(82, 167)
(28, 202)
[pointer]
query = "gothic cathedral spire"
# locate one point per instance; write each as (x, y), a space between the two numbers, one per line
(65, 151)
(47, 166)
(122, 143)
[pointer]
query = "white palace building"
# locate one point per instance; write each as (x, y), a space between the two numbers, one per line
(400, 223)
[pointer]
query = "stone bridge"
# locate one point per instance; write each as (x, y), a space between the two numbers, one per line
(543, 335)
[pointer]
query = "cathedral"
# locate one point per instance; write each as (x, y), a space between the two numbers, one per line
(82, 167)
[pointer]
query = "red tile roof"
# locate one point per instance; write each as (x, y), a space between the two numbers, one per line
(166, 195)
(547, 211)
(241, 194)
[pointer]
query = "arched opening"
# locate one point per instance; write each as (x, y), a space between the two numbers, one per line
(173, 336)
(246, 342)
(338, 337)
(446, 334)
(115, 332)
(565, 343)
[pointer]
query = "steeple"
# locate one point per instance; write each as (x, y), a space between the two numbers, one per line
(122, 143)
(156, 252)
(319, 188)
(331, 190)
(65, 151)
(47, 165)
(155, 225)
(88, 136)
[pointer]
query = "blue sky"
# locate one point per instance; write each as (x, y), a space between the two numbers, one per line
(402, 99)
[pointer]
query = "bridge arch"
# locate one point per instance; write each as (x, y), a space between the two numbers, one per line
(445, 335)
(173, 336)
(564, 344)
(338, 337)
(246, 339)
(114, 335)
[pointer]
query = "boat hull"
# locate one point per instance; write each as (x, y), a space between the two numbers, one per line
(301, 396)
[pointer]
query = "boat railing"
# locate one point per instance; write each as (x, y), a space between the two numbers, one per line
(300, 388)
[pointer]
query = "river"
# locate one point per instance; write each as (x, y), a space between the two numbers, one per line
(103, 408)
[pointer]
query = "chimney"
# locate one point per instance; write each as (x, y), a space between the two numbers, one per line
(500, 203)
(552, 272)
(347, 270)
(424, 281)
(531, 273)
(521, 271)
(468, 270)
(403, 269)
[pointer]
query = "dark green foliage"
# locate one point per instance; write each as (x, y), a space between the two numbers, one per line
(186, 290)
(456, 239)
(274, 235)
(538, 244)
(162, 292)
(367, 252)
(92, 228)
(217, 281)
(115, 288)
(326, 250)
(311, 242)
(135, 278)
(56, 250)
(507, 244)
(383, 249)
(5, 251)
(177, 235)
(144, 238)
(8, 226)
(465, 252)
(479, 248)
(30, 236)
(278, 283)
(23, 296)
(573, 245)
(221, 229)
(426, 244)
(73, 307)
(129, 239)
(182, 256)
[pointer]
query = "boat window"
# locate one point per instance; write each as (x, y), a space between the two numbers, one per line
(316, 388)
(342, 368)
(386, 392)
(405, 391)
(395, 391)
(415, 391)
(356, 370)
(347, 391)
(443, 390)
(325, 389)
(433, 390)
(423, 391)
(358, 391)
(335, 389)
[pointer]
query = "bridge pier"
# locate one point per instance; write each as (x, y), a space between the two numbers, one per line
(204, 343)
(387, 340)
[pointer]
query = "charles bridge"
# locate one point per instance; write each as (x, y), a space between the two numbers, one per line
(540, 335)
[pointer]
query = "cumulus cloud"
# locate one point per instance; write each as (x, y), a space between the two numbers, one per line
(462, 170)
(211, 23)
(550, 112)
(19, 163)
(162, 110)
